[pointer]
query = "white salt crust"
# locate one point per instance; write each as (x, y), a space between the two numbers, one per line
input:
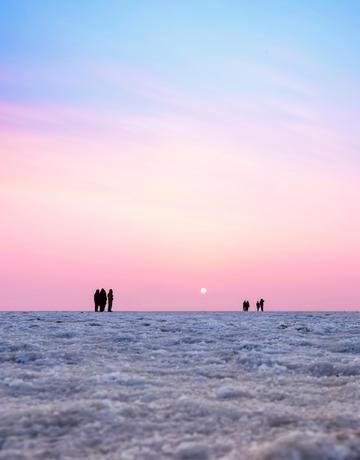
(153, 386)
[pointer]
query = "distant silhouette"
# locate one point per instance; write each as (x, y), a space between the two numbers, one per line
(262, 304)
(102, 299)
(257, 306)
(97, 299)
(110, 297)
(246, 305)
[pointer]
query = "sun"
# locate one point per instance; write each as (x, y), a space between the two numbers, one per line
(202, 290)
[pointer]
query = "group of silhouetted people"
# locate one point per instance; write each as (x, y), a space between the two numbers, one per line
(259, 305)
(100, 299)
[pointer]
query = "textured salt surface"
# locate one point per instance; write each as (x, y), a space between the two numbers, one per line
(180, 386)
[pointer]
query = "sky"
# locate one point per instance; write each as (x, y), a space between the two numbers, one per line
(159, 147)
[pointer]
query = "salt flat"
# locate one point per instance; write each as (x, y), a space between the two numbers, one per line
(203, 385)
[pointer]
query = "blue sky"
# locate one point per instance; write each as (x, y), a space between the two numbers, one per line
(218, 141)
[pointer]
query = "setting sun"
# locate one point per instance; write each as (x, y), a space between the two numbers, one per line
(202, 290)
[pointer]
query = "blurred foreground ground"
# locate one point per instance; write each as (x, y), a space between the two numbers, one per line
(153, 386)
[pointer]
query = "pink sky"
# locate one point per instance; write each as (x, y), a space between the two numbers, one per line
(101, 199)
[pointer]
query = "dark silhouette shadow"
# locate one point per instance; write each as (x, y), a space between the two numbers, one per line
(110, 297)
(102, 299)
(97, 299)
(262, 304)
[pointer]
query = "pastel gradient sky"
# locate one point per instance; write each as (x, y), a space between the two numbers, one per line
(158, 147)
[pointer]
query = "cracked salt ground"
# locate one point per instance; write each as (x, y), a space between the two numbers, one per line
(264, 386)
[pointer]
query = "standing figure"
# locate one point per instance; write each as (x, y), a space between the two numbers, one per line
(247, 305)
(244, 305)
(110, 297)
(257, 306)
(97, 299)
(262, 304)
(102, 299)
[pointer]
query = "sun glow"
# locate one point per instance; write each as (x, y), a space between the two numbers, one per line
(202, 290)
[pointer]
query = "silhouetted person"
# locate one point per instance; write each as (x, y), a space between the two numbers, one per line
(262, 304)
(102, 299)
(247, 305)
(110, 297)
(97, 299)
(244, 305)
(257, 306)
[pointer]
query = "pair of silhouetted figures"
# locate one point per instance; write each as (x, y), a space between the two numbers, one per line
(100, 299)
(259, 305)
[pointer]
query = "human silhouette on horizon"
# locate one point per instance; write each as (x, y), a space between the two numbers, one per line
(110, 297)
(262, 304)
(246, 305)
(257, 306)
(102, 299)
(97, 299)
